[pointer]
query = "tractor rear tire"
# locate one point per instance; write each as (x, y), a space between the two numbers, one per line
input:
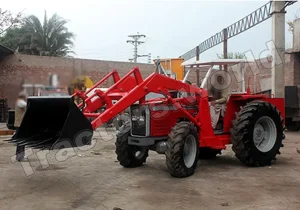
(182, 150)
(257, 122)
(206, 153)
(129, 156)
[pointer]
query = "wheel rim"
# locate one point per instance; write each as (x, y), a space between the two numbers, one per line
(264, 134)
(139, 154)
(189, 151)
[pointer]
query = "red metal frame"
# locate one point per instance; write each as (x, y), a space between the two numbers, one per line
(113, 73)
(138, 93)
(132, 88)
(119, 89)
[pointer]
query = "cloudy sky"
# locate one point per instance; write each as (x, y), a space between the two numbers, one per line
(172, 27)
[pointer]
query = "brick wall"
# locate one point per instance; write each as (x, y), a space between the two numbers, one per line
(16, 69)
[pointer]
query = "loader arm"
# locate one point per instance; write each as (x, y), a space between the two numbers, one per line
(117, 90)
(84, 95)
(113, 73)
(155, 83)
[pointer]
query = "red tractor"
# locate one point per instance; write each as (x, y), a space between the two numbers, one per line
(176, 122)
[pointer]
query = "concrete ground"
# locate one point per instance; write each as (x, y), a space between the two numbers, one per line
(93, 179)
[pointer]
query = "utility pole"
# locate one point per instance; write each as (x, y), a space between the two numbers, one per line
(135, 41)
(197, 70)
(278, 48)
(225, 38)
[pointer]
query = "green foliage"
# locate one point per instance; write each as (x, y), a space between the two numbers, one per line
(231, 55)
(50, 38)
(8, 20)
(12, 37)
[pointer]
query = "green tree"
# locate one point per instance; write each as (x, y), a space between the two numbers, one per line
(8, 20)
(50, 38)
(231, 55)
(12, 37)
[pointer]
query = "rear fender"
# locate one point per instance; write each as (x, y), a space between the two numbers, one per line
(278, 103)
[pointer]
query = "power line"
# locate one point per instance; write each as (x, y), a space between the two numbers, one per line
(135, 41)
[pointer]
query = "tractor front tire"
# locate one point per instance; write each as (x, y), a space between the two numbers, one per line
(257, 134)
(182, 150)
(129, 156)
(206, 153)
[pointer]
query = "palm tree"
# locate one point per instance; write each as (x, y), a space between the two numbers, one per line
(51, 38)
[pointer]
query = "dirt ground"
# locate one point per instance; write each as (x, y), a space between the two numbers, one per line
(93, 179)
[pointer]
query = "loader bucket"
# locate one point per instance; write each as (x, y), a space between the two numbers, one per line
(53, 123)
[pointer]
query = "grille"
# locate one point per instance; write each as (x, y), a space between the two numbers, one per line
(138, 119)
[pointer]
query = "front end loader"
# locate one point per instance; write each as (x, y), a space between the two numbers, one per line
(176, 122)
